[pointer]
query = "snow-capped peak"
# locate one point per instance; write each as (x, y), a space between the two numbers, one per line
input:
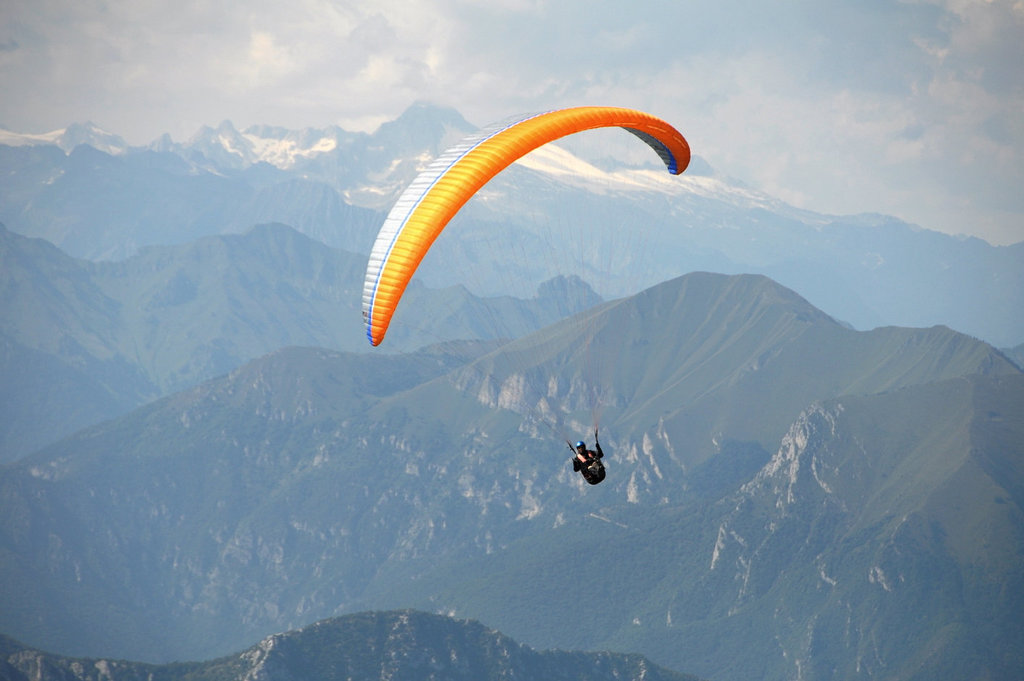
(20, 139)
(283, 152)
(68, 138)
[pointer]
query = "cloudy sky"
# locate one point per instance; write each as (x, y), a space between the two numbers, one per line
(913, 108)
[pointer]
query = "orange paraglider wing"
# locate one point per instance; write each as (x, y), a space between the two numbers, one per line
(437, 193)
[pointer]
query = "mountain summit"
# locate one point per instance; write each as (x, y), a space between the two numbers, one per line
(707, 354)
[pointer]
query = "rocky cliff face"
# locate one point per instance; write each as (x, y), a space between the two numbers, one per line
(860, 543)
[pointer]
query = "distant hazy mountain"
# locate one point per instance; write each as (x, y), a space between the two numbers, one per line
(85, 341)
(736, 528)
(69, 138)
(103, 200)
(1016, 354)
(406, 645)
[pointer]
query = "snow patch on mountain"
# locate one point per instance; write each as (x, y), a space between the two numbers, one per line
(68, 138)
(18, 139)
(284, 153)
(561, 166)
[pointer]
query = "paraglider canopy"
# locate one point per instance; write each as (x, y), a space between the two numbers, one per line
(436, 195)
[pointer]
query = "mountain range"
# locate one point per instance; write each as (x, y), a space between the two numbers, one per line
(786, 496)
(96, 197)
(814, 450)
(86, 341)
(402, 645)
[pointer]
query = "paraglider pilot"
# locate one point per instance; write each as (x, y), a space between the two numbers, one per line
(588, 462)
